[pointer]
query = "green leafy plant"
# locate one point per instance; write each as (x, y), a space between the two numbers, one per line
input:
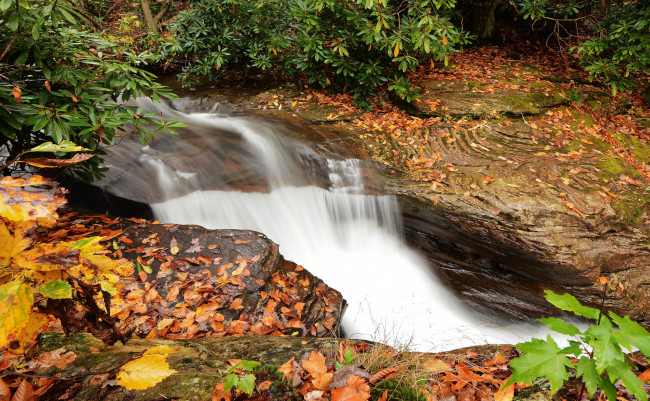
(599, 351)
(358, 46)
(241, 377)
(59, 82)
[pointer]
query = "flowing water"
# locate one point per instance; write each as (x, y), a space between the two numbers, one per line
(316, 206)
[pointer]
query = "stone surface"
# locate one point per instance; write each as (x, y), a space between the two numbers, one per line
(200, 364)
(471, 98)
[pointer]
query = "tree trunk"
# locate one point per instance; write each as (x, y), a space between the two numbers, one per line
(483, 24)
(151, 21)
(148, 18)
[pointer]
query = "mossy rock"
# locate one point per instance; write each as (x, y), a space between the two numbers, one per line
(200, 364)
(471, 98)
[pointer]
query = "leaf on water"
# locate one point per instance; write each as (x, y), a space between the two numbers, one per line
(57, 289)
(16, 302)
(144, 372)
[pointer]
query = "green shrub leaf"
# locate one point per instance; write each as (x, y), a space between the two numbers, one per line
(560, 326)
(586, 368)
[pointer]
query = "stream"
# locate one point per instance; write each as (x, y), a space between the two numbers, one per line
(323, 209)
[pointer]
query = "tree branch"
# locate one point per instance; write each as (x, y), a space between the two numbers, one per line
(162, 12)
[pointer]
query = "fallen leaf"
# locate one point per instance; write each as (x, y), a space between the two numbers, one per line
(315, 365)
(25, 392)
(144, 372)
(505, 394)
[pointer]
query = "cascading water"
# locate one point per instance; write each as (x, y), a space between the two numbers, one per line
(339, 232)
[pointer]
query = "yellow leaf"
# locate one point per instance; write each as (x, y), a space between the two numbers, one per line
(12, 245)
(102, 262)
(445, 40)
(275, 52)
(160, 350)
(45, 257)
(28, 333)
(145, 372)
(16, 302)
(36, 204)
(174, 250)
(396, 52)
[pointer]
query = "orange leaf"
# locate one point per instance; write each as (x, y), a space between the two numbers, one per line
(5, 391)
(17, 94)
(602, 280)
(25, 392)
(505, 394)
(445, 40)
(315, 365)
(645, 376)
(356, 390)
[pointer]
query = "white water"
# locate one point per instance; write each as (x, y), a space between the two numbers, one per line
(348, 239)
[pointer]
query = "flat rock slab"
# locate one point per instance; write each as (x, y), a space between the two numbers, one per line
(85, 364)
(472, 98)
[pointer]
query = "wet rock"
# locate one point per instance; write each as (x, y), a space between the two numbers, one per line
(200, 364)
(218, 283)
(471, 98)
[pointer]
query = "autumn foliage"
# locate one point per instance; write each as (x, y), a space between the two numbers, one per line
(35, 276)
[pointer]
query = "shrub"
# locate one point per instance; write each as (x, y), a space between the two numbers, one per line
(358, 46)
(58, 82)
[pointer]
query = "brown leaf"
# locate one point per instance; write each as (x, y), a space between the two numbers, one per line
(645, 376)
(497, 360)
(17, 94)
(291, 371)
(265, 385)
(25, 392)
(219, 394)
(384, 374)
(315, 365)
(315, 395)
(323, 381)
(52, 163)
(5, 391)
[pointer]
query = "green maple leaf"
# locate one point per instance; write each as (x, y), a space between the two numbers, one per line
(637, 334)
(542, 358)
(586, 368)
(560, 326)
(633, 384)
(569, 303)
(605, 342)
(247, 384)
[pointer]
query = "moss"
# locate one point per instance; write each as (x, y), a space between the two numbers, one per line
(631, 208)
(613, 167)
(640, 150)
(396, 391)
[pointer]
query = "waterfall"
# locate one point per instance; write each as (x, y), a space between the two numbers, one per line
(317, 208)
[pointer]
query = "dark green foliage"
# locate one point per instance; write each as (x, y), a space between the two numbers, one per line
(619, 51)
(358, 45)
(601, 360)
(58, 82)
(617, 47)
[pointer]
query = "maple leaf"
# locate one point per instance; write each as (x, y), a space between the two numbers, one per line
(16, 302)
(541, 358)
(144, 372)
